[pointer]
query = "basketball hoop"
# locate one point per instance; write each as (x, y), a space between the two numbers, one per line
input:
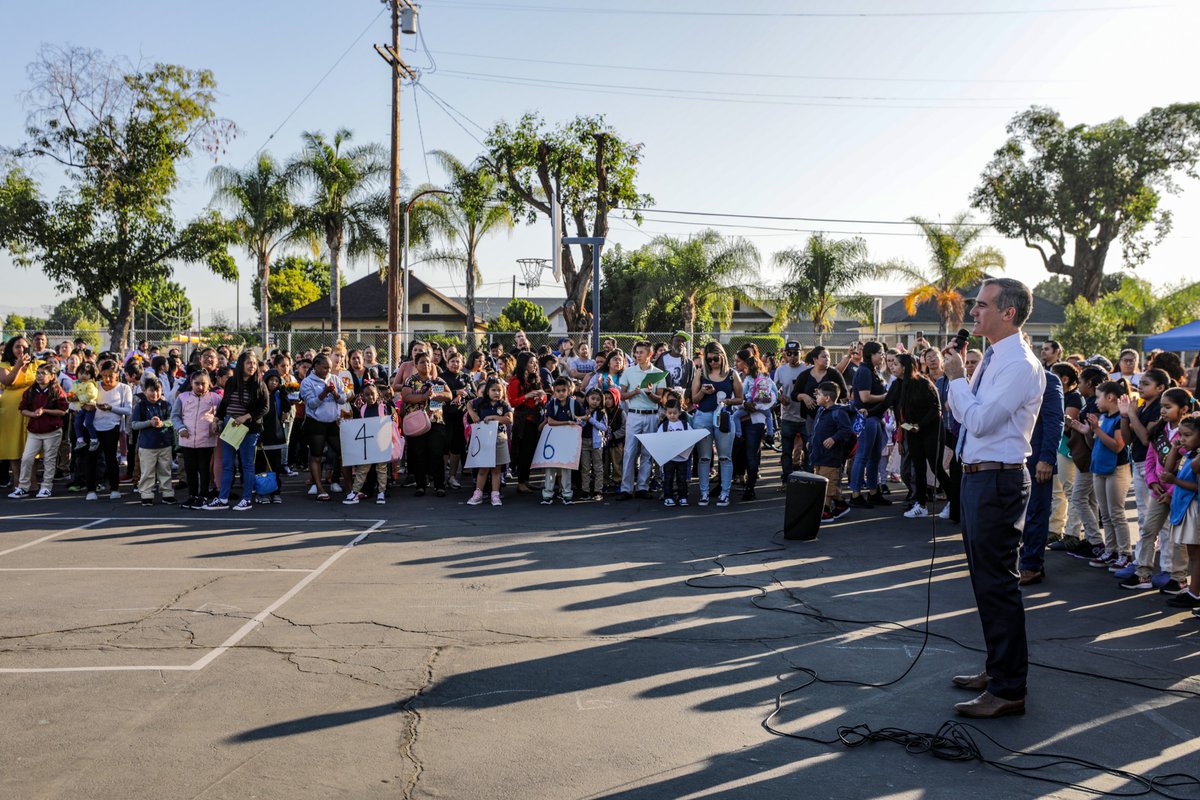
(532, 269)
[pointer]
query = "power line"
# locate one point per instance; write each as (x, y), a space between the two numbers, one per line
(790, 230)
(321, 80)
(456, 111)
(730, 74)
(421, 133)
(446, 111)
(452, 5)
(741, 93)
(631, 92)
(791, 219)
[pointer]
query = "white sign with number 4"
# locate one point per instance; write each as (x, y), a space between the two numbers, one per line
(366, 441)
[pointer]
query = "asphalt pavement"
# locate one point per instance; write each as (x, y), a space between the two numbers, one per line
(430, 649)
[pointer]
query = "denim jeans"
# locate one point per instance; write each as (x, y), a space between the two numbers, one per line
(724, 443)
(1037, 523)
(865, 470)
(789, 431)
(243, 454)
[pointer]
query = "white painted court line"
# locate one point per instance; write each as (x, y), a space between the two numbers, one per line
(150, 569)
(93, 523)
(240, 634)
(241, 519)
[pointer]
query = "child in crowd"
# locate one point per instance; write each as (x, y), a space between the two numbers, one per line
(1180, 472)
(194, 416)
(614, 446)
(591, 459)
(676, 471)
(371, 406)
(491, 407)
(562, 409)
(273, 441)
(1175, 404)
(832, 440)
(155, 439)
(45, 405)
(86, 390)
(1110, 473)
(1084, 506)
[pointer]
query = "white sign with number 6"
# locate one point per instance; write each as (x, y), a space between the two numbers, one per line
(366, 441)
(558, 447)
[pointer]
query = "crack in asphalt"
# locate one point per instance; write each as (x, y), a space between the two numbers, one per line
(408, 750)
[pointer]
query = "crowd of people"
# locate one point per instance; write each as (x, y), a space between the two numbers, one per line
(875, 418)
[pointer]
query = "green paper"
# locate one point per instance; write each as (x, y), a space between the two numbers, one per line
(651, 378)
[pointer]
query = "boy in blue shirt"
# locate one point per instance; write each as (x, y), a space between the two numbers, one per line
(562, 409)
(155, 440)
(832, 439)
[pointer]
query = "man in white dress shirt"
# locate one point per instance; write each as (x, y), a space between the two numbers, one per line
(997, 411)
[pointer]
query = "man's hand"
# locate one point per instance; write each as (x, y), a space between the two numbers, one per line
(828, 443)
(953, 364)
(1044, 471)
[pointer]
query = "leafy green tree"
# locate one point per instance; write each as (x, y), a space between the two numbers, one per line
(346, 206)
(953, 266)
(264, 218)
(72, 314)
(1057, 289)
(625, 304)
(520, 315)
(1091, 328)
(166, 306)
(821, 278)
(1074, 192)
(1142, 310)
(587, 167)
(464, 216)
(14, 324)
(704, 272)
(295, 283)
(118, 133)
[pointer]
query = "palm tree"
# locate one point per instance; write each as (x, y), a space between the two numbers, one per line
(821, 279)
(704, 272)
(465, 214)
(347, 207)
(952, 266)
(264, 218)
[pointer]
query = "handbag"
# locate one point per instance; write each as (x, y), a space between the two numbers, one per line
(723, 421)
(265, 483)
(416, 423)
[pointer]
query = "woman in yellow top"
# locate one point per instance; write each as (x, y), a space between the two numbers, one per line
(17, 372)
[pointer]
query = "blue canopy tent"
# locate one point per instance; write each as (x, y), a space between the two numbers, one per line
(1185, 337)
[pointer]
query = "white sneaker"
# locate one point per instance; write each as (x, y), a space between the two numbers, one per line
(453, 483)
(351, 499)
(337, 487)
(18, 493)
(312, 490)
(43, 493)
(114, 495)
(216, 504)
(916, 512)
(945, 512)
(92, 496)
(244, 505)
(380, 499)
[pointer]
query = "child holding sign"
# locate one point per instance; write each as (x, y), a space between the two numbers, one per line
(371, 406)
(561, 410)
(492, 409)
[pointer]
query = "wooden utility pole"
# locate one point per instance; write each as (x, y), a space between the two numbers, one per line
(393, 273)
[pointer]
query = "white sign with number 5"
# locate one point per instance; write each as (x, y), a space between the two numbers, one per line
(366, 441)
(558, 447)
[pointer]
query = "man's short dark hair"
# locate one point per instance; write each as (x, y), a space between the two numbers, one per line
(1055, 346)
(1015, 295)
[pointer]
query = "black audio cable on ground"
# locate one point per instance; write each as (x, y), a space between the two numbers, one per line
(953, 741)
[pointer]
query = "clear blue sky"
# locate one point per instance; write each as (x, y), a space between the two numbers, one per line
(875, 117)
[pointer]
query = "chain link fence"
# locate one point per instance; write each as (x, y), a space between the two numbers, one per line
(298, 341)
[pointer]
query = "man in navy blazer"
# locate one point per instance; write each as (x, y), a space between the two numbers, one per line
(1042, 464)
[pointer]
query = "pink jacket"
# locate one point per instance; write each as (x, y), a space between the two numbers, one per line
(196, 415)
(1154, 468)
